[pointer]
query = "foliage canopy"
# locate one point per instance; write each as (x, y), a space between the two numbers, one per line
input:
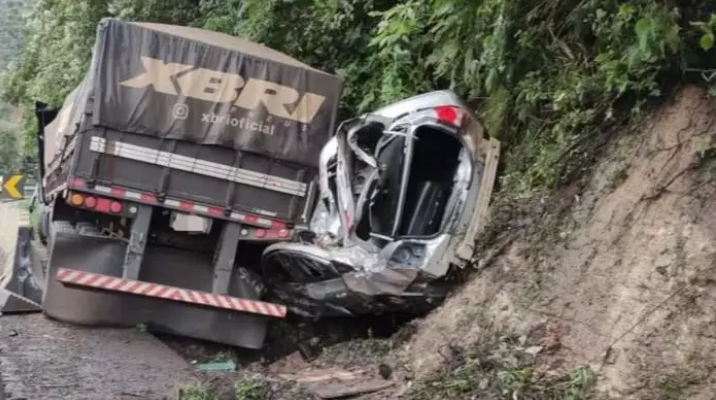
(543, 75)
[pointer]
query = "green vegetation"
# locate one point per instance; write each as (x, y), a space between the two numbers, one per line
(506, 382)
(243, 389)
(558, 72)
(495, 369)
(10, 148)
(11, 30)
(195, 392)
(251, 389)
(356, 352)
(11, 46)
(546, 76)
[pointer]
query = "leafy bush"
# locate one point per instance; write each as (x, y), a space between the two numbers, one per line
(546, 76)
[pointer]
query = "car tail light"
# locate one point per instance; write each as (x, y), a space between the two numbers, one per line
(260, 233)
(77, 199)
(116, 207)
(90, 202)
(450, 115)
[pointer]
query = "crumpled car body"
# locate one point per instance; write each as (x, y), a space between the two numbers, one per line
(403, 192)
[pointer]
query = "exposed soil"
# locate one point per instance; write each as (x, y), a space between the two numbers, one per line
(622, 279)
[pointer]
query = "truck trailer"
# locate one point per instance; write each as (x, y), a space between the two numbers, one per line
(179, 148)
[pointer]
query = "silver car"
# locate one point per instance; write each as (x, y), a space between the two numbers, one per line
(403, 193)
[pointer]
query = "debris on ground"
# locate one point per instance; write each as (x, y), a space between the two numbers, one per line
(225, 366)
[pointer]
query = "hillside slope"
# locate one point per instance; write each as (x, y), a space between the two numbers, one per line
(617, 275)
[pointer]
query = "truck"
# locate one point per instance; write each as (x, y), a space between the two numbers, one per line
(180, 149)
(200, 185)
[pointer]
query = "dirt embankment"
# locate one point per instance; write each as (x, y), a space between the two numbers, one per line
(624, 281)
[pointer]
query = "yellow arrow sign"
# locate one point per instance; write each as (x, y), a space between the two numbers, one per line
(9, 187)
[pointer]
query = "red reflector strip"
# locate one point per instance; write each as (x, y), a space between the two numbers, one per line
(277, 234)
(148, 197)
(278, 225)
(148, 289)
(251, 220)
(190, 207)
(77, 183)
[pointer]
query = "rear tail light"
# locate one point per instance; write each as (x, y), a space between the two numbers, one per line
(96, 203)
(77, 199)
(90, 202)
(260, 233)
(450, 115)
(116, 207)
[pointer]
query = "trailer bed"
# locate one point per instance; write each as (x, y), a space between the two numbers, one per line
(194, 116)
(214, 176)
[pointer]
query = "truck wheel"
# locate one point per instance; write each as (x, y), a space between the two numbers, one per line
(43, 231)
(39, 260)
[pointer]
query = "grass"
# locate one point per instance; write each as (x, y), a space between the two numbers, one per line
(245, 389)
(195, 392)
(356, 352)
(251, 389)
(497, 370)
(492, 381)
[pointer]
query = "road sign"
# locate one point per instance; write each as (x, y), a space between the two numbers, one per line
(10, 187)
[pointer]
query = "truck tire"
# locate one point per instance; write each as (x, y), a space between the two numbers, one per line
(43, 231)
(39, 258)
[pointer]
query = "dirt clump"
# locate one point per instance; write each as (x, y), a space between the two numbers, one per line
(623, 282)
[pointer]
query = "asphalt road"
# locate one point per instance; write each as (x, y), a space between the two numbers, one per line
(47, 360)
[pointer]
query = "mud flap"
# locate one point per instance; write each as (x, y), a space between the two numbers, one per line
(96, 254)
(96, 307)
(21, 292)
(190, 270)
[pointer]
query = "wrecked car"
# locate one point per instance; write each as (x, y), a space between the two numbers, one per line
(403, 192)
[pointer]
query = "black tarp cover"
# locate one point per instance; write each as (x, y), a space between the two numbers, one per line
(209, 88)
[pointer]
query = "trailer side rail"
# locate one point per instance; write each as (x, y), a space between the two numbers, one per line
(276, 229)
(202, 167)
